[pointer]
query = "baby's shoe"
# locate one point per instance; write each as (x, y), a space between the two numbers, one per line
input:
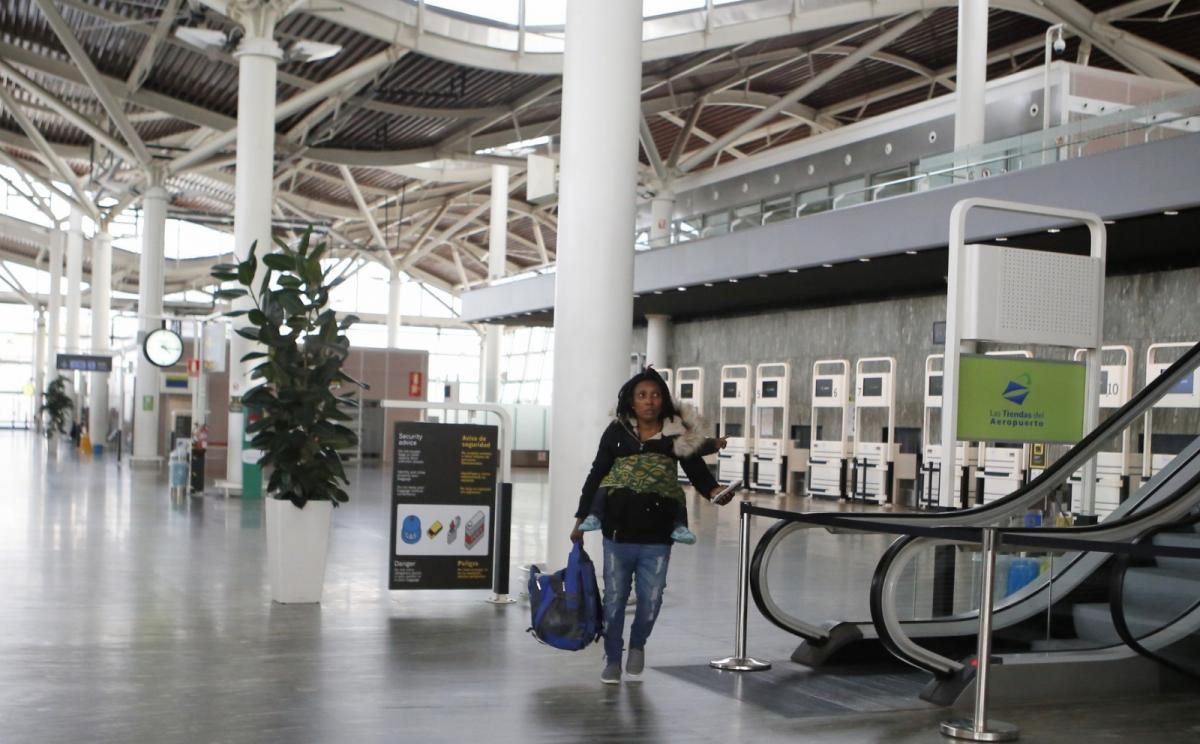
(593, 523)
(683, 535)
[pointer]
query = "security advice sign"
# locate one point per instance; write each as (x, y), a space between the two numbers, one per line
(1005, 399)
(443, 491)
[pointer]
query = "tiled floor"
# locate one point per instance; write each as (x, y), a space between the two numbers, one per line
(127, 617)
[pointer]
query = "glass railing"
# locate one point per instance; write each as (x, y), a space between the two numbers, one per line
(1090, 136)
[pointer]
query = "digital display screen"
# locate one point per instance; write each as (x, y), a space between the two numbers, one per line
(935, 385)
(872, 387)
(939, 333)
(686, 390)
(84, 363)
(770, 389)
(823, 389)
(1186, 386)
(729, 390)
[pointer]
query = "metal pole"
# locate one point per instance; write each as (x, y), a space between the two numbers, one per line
(503, 540)
(979, 729)
(739, 662)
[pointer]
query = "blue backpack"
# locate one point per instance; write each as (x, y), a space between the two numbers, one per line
(565, 605)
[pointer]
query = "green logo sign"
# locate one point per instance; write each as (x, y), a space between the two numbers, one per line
(1006, 399)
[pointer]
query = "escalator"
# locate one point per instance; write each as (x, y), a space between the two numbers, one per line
(934, 596)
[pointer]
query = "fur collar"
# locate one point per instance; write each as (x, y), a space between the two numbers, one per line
(685, 429)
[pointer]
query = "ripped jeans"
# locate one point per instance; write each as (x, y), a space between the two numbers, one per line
(622, 562)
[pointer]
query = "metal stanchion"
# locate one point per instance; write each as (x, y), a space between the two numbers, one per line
(739, 662)
(980, 729)
(503, 535)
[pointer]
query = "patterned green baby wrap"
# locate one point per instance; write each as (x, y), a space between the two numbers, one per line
(645, 473)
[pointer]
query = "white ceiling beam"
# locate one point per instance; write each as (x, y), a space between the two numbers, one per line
(651, 150)
(1130, 9)
(1083, 22)
(700, 133)
(364, 69)
(541, 240)
(71, 115)
(833, 71)
(420, 251)
(1170, 56)
(459, 138)
(458, 265)
(47, 154)
(348, 177)
(115, 111)
(165, 104)
(141, 69)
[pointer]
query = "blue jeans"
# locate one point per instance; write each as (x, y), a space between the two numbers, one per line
(622, 562)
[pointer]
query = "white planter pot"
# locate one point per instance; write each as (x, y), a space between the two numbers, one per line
(297, 546)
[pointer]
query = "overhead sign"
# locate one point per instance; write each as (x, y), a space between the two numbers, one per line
(1005, 399)
(443, 493)
(84, 363)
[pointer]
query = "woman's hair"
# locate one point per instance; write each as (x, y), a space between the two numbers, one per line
(625, 396)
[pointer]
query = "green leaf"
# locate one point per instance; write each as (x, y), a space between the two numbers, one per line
(254, 355)
(348, 321)
(249, 332)
(280, 262)
(248, 268)
(224, 276)
(229, 294)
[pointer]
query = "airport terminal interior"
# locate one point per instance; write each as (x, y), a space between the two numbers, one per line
(313, 314)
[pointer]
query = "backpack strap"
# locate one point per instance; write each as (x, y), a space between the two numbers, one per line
(571, 575)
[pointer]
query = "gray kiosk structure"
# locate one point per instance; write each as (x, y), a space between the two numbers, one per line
(733, 461)
(769, 463)
(1117, 471)
(829, 451)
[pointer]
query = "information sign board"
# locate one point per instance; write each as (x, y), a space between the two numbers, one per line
(1006, 399)
(443, 494)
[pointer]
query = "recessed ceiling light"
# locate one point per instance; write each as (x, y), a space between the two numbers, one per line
(636, 296)
(658, 291)
(1170, 212)
(733, 281)
(1001, 240)
(1053, 230)
(708, 284)
(793, 271)
(681, 289)
(1110, 222)
(910, 253)
(864, 260)
(827, 266)
(762, 276)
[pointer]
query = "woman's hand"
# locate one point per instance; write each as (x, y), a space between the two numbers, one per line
(721, 442)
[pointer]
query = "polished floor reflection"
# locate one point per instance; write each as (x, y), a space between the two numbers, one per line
(130, 617)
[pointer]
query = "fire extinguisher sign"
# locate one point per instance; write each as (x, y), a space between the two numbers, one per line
(416, 384)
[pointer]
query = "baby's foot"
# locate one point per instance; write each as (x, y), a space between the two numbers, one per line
(591, 523)
(683, 535)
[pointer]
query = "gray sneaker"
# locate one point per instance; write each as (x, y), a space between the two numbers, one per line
(612, 673)
(635, 663)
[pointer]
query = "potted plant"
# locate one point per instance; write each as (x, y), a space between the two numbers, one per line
(56, 405)
(301, 400)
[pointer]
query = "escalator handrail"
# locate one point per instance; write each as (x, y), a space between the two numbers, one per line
(1039, 487)
(915, 655)
(1121, 565)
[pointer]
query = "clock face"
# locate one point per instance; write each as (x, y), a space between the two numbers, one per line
(163, 347)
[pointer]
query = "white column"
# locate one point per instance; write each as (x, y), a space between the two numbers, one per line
(147, 384)
(74, 291)
(258, 59)
(39, 365)
(395, 318)
(593, 304)
(658, 340)
(53, 306)
(101, 302)
(971, 77)
(497, 256)
(662, 208)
